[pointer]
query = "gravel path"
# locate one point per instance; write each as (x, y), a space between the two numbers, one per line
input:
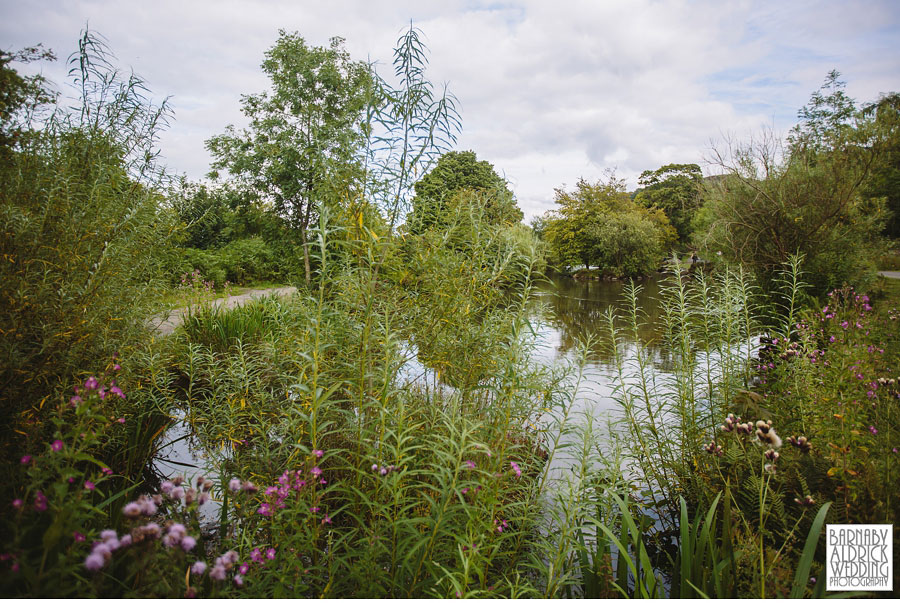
(164, 324)
(890, 273)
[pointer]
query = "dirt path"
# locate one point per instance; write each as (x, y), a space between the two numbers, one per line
(164, 324)
(890, 273)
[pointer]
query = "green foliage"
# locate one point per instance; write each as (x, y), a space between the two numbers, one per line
(808, 198)
(675, 189)
(883, 120)
(21, 97)
(301, 149)
(80, 234)
(599, 225)
(456, 172)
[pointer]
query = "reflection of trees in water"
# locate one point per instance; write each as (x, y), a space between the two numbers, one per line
(577, 309)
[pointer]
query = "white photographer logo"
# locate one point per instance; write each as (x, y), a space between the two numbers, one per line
(859, 557)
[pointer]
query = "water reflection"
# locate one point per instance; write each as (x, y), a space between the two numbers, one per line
(576, 310)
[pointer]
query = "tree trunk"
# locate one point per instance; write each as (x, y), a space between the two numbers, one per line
(305, 255)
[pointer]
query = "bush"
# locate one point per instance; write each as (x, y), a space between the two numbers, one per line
(80, 233)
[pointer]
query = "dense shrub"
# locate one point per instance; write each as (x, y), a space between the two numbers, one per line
(79, 235)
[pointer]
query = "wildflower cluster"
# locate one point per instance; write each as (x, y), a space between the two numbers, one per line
(195, 282)
(384, 470)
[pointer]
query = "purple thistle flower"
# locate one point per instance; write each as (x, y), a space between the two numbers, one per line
(40, 501)
(199, 568)
(238, 581)
(94, 562)
(131, 510)
(217, 573)
(188, 542)
(234, 485)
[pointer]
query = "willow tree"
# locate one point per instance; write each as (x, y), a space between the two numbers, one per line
(302, 147)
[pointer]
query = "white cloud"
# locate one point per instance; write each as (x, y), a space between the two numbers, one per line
(550, 92)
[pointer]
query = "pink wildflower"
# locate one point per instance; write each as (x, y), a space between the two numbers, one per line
(25, 459)
(57, 445)
(318, 453)
(89, 485)
(94, 562)
(40, 501)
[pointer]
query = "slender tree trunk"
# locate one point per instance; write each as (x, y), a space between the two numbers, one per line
(303, 226)
(305, 254)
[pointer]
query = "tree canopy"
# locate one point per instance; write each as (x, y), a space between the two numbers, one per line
(458, 171)
(675, 189)
(806, 197)
(600, 225)
(302, 146)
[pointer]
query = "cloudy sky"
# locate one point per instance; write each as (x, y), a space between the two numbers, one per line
(549, 91)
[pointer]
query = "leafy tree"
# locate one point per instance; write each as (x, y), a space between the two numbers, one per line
(20, 96)
(883, 119)
(595, 219)
(302, 147)
(454, 172)
(807, 197)
(675, 189)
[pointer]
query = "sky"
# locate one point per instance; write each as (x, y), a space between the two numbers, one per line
(549, 92)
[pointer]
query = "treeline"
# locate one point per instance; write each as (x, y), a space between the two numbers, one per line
(830, 192)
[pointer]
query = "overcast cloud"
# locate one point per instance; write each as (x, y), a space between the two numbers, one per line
(549, 91)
